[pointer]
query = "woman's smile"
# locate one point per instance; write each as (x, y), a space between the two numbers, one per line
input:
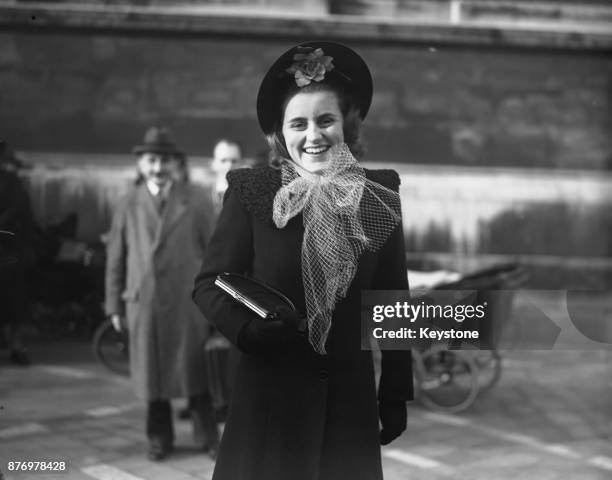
(318, 150)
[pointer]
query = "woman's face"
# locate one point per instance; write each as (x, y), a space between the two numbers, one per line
(312, 124)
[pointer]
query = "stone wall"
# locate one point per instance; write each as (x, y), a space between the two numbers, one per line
(556, 223)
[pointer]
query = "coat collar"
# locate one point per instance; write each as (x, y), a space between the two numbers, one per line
(257, 187)
(146, 205)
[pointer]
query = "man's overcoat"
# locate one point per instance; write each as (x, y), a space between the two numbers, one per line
(152, 259)
(296, 414)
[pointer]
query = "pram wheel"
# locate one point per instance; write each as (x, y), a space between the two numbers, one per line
(447, 380)
(489, 368)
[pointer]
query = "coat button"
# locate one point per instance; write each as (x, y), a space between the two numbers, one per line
(323, 374)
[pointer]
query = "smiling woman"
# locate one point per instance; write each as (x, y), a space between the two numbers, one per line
(320, 229)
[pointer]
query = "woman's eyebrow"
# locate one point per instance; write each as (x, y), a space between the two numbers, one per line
(324, 114)
(302, 118)
(293, 119)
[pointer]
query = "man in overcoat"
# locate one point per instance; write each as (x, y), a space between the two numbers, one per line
(157, 240)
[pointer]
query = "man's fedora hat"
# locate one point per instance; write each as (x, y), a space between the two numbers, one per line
(313, 62)
(158, 140)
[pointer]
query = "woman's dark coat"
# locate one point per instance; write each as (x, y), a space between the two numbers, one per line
(297, 415)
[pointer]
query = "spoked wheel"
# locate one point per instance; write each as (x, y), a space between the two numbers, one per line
(447, 380)
(489, 367)
(111, 348)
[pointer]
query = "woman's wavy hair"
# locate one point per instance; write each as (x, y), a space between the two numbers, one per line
(351, 120)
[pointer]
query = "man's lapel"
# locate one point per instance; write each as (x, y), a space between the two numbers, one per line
(176, 206)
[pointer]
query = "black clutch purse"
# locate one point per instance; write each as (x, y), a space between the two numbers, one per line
(259, 298)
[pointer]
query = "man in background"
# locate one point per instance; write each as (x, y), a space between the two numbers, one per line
(223, 357)
(157, 239)
(227, 155)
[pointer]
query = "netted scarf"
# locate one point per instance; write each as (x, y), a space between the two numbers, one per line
(344, 214)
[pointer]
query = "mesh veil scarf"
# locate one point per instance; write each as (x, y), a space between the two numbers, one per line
(344, 214)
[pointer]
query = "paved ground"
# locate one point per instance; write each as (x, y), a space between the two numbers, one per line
(550, 417)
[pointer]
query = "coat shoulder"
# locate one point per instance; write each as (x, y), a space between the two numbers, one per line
(256, 188)
(255, 179)
(386, 177)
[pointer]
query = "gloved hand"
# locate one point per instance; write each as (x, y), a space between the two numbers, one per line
(393, 417)
(264, 335)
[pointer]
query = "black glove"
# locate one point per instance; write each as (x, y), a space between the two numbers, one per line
(393, 417)
(266, 335)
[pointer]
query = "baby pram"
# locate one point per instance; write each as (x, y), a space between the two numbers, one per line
(449, 378)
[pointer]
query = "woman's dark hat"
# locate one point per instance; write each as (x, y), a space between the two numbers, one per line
(158, 140)
(313, 62)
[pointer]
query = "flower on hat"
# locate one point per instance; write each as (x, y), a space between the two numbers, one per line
(310, 66)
